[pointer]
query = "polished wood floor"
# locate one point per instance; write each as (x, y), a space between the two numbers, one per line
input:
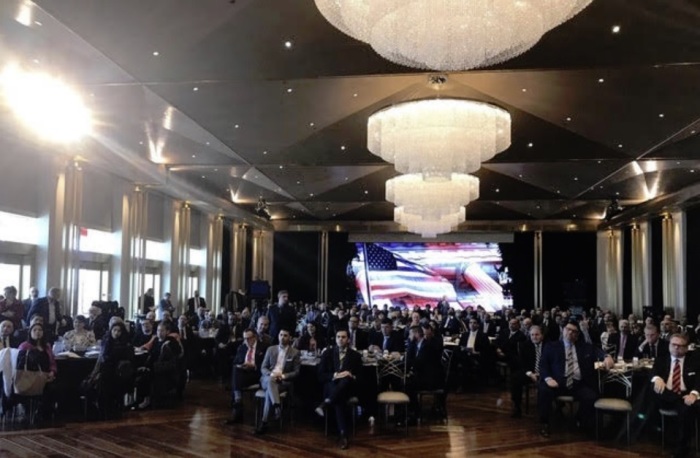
(478, 425)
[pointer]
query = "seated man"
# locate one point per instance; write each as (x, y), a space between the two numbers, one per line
(359, 339)
(651, 346)
(527, 369)
(567, 369)
(424, 368)
(246, 371)
(97, 323)
(161, 365)
(676, 387)
(338, 370)
(280, 366)
(311, 340)
(144, 336)
(475, 354)
(387, 339)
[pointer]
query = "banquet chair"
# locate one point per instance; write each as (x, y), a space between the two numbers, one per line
(440, 394)
(615, 405)
(393, 371)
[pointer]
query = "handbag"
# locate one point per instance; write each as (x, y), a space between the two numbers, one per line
(29, 383)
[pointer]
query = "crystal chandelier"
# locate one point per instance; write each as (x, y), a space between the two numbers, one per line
(448, 35)
(438, 137)
(429, 227)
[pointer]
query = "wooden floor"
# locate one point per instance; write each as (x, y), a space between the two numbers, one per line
(478, 425)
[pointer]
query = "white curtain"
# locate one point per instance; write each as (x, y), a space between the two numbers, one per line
(238, 255)
(137, 233)
(72, 204)
(641, 267)
(609, 262)
(673, 234)
(214, 256)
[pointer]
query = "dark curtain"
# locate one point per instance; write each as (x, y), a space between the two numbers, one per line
(569, 269)
(295, 266)
(627, 271)
(341, 287)
(519, 257)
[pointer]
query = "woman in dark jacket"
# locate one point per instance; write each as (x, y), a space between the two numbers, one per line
(39, 356)
(116, 368)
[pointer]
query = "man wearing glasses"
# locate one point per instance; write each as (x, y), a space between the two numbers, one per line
(567, 369)
(676, 387)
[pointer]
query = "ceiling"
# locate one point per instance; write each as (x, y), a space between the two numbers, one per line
(205, 97)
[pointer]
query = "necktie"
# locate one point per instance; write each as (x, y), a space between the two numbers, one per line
(386, 343)
(676, 378)
(341, 357)
(353, 339)
(653, 351)
(249, 356)
(569, 367)
(621, 350)
(538, 355)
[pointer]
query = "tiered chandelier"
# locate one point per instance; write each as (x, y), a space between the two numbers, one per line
(449, 35)
(436, 143)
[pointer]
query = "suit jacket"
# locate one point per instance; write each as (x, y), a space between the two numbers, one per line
(527, 355)
(225, 332)
(292, 363)
(489, 328)
(192, 306)
(482, 345)
(361, 339)
(41, 307)
(164, 306)
(281, 318)
(451, 325)
(644, 350)
(13, 341)
(395, 344)
(98, 326)
(425, 365)
(509, 345)
(691, 370)
(553, 363)
(630, 345)
(330, 363)
(260, 351)
(304, 342)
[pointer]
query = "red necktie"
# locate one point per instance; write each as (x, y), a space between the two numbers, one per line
(676, 379)
(249, 356)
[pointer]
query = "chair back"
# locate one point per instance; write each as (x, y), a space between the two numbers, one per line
(616, 378)
(446, 361)
(392, 370)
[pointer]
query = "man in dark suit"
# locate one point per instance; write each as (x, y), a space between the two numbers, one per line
(246, 371)
(359, 339)
(488, 326)
(7, 340)
(624, 343)
(527, 369)
(508, 341)
(282, 316)
(194, 303)
(676, 386)
(148, 302)
(450, 323)
(50, 310)
(338, 371)
(567, 368)
(165, 305)
(29, 302)
(443, 306)
(476, 353)
(280, 367)
(423, 364)
(388, 339)
(652, 346)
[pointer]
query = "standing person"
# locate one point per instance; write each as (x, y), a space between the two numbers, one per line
(280, 367)
(165, 306)
(195, 302)
(148, 302)
(281, 315)
(338, 371)
(49, 308)
(29, 302)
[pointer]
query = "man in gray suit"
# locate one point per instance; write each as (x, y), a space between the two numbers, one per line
(279, 368)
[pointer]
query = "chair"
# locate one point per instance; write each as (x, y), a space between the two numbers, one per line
(562, 401)
(503, 371)
(440, 393)
(529, 387)
(673, 413)
(394, 369)
(285, 398)
(615, 405)
(250, 391)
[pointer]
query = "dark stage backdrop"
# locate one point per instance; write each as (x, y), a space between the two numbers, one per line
(519, 256)
(692, 262)
(295, 265)
(569, 269)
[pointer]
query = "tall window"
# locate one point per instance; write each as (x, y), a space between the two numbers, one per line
(192, 283)
(16, 274)
(93, 285)
(19, 228)
(152, 280)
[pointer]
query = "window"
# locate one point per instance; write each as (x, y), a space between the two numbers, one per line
(93, 285)
(156, 251)
(192, 283)
(95, 241)
(198, 257)
(18, 275)
(19, 228)
(152, 280)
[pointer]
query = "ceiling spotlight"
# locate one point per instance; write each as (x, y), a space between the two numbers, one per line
(661, 115)
(203, 176)
(45, 104)
(156, 53)
(530, 145)
(524, 90)
(616, 29)
(568, 119)
(498, 190)
(366, 192)
(195, 89)
(619, 145)
(289, 90)
(207, 143)
(311, 124)
(575, 178)
(342, 147)
(355, 94)
(281, 166)
(236, 126)
(193, 156)
(601, 80)
(288, 44)
(264, 152)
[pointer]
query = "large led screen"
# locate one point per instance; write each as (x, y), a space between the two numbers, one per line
(408, 274)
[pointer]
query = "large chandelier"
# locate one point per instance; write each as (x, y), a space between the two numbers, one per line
(429, 227)
(438, 137)
(449, 35)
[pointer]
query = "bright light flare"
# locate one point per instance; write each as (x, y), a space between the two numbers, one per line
(46, 105)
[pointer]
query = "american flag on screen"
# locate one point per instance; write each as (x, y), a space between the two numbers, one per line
(392, 277)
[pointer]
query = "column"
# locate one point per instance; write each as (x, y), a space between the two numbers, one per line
(134, 235)
(537, 277)
(238, 255)
(212, 284)
(179, 255)
(609, 262)
(673, 234)
(641, 267)
(322, 286)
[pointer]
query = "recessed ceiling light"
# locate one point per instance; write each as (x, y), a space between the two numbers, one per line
(558, 191)
(140, 143)
(498, 190)
(366, 192)
(195, 89)
(601, 80)
(346, 178)
(290, 90)
(692, 170)
(619, 145)
(298, 182)
(661, 115)
(538, 207)
(520, 175)
(568, 119)
(617, 193)
(678, 162)
(236, 126)
(530, 145)
(599, 162)
(311, 124)
(264, 152)
(601, 186)
(616, 29)
(207, 143)
(692, 132)
(524, 90)
(342, 147)
(311, 194)
(281, 166)
(194, 155)
(574, 215)
(355, 94)
(156, 53)
(203, 176)
(575, 178)
(288, 44)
